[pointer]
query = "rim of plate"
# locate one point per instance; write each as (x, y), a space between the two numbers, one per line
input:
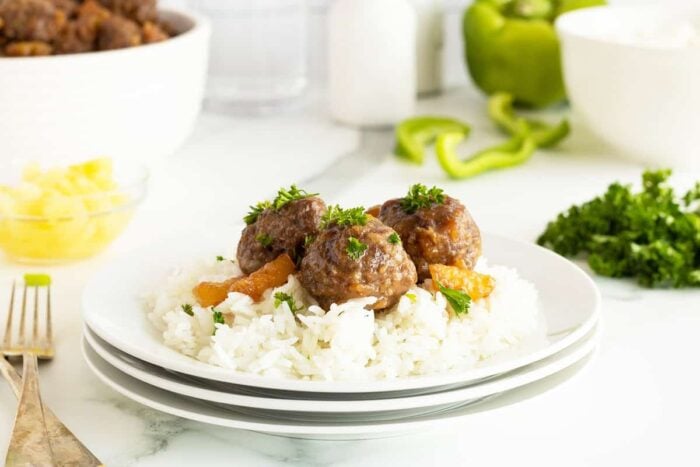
(190, 366)
(517, 378)
(171, 403)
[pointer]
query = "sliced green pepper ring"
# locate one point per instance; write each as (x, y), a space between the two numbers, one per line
(515, 151)
(500, 108)
(414, 134)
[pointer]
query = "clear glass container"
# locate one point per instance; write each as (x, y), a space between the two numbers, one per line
(259, 51)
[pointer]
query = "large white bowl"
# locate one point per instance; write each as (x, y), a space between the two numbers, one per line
(639, 95)
(138, 103)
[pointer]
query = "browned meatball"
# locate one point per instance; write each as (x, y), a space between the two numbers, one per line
(357, 261)
(69, 7)
(152, 33)
(118, 33)
(278, 231)
(31, 20)
(440, 233)
(27, 49)
(136, 10)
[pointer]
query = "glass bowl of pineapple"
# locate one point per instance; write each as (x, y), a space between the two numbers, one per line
(54, 214)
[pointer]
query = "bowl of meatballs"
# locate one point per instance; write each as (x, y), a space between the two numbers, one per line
(318, 292)
(87, 77)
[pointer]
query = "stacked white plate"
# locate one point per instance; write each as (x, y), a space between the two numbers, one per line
(126, 352)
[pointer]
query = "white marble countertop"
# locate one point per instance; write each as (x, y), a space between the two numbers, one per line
(636, 403)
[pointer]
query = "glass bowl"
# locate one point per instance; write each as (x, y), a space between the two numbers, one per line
(83, 225)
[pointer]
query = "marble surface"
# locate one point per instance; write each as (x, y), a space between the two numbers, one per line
(634, 404)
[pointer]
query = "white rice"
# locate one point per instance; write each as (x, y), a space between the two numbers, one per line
(418, 336)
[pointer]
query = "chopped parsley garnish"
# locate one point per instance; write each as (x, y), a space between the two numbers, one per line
(282, 297)
(652, 235)
(220, 259)
(394, 239)
(355, 249)
(308, 240)
(187, 308)
(255, 212)
(264, 239)
(218, 317)
(412, 297)
(335, 215)
(458, 300)
(285, 196)
(419, 196)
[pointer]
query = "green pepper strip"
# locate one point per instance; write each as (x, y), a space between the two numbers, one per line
(513, 152)
(501, 111)
(37, 280)
(414, 134)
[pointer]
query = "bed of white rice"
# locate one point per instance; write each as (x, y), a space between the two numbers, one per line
(348, 342)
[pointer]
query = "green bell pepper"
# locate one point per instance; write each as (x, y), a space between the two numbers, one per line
(511, 46)
(500, 109)
(514, 152)
(414, 134)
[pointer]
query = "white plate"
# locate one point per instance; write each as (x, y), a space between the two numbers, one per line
(229, 416)
(113, 307)
(218, 393)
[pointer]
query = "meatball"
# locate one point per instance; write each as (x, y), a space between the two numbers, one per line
(278, 231)
(31, 20)
(27, 49)
(357, 261)
(441, 233)
(136, 10)
(152, 33)
(118, 33)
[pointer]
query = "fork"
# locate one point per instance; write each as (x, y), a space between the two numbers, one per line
(38, 437)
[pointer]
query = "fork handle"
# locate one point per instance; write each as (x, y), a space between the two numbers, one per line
(29, 443)
(66, 448)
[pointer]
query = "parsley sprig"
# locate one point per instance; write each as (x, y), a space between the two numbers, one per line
(355, 249)
(255, 211)
(458, 300)
(652, 235)
(394, 238)
(187, 309)
(286, 196)
(217, 317)
(283, 297)
(419, 196)
(264, 239)
(335, 215)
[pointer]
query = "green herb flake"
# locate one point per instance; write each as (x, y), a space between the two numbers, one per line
(255, 211)
(286, 196)
(652, 235)
(264, 239)
(458, 300)
(394, 239)
(187, 308)
(220, 259)
(217, 317)
(355, 249)
(412, 297)
(335, 215)
(308, 240)
(419, 196)
(282, 297)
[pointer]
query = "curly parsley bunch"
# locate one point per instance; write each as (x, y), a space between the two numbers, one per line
(652, 235)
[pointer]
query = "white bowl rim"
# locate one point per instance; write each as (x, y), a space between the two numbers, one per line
(563, 25)
(200, 24)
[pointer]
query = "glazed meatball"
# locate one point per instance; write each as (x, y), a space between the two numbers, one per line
(357, 261)
(439, 233)
(136, 10)
(118, 33)
(278, 231)
(31, 20)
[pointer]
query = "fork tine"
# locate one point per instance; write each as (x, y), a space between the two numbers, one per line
(35, 325)
(22, 317)
(7, 340)
(49, 329)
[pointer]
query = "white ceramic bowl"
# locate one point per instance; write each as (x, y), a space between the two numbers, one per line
(631, 74)
(138, 104)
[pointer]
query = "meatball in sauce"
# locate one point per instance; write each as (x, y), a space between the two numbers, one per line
(283, 226)
(434, 229)
(356, 255)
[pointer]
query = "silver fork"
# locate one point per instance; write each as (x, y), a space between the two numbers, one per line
(38, 437)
